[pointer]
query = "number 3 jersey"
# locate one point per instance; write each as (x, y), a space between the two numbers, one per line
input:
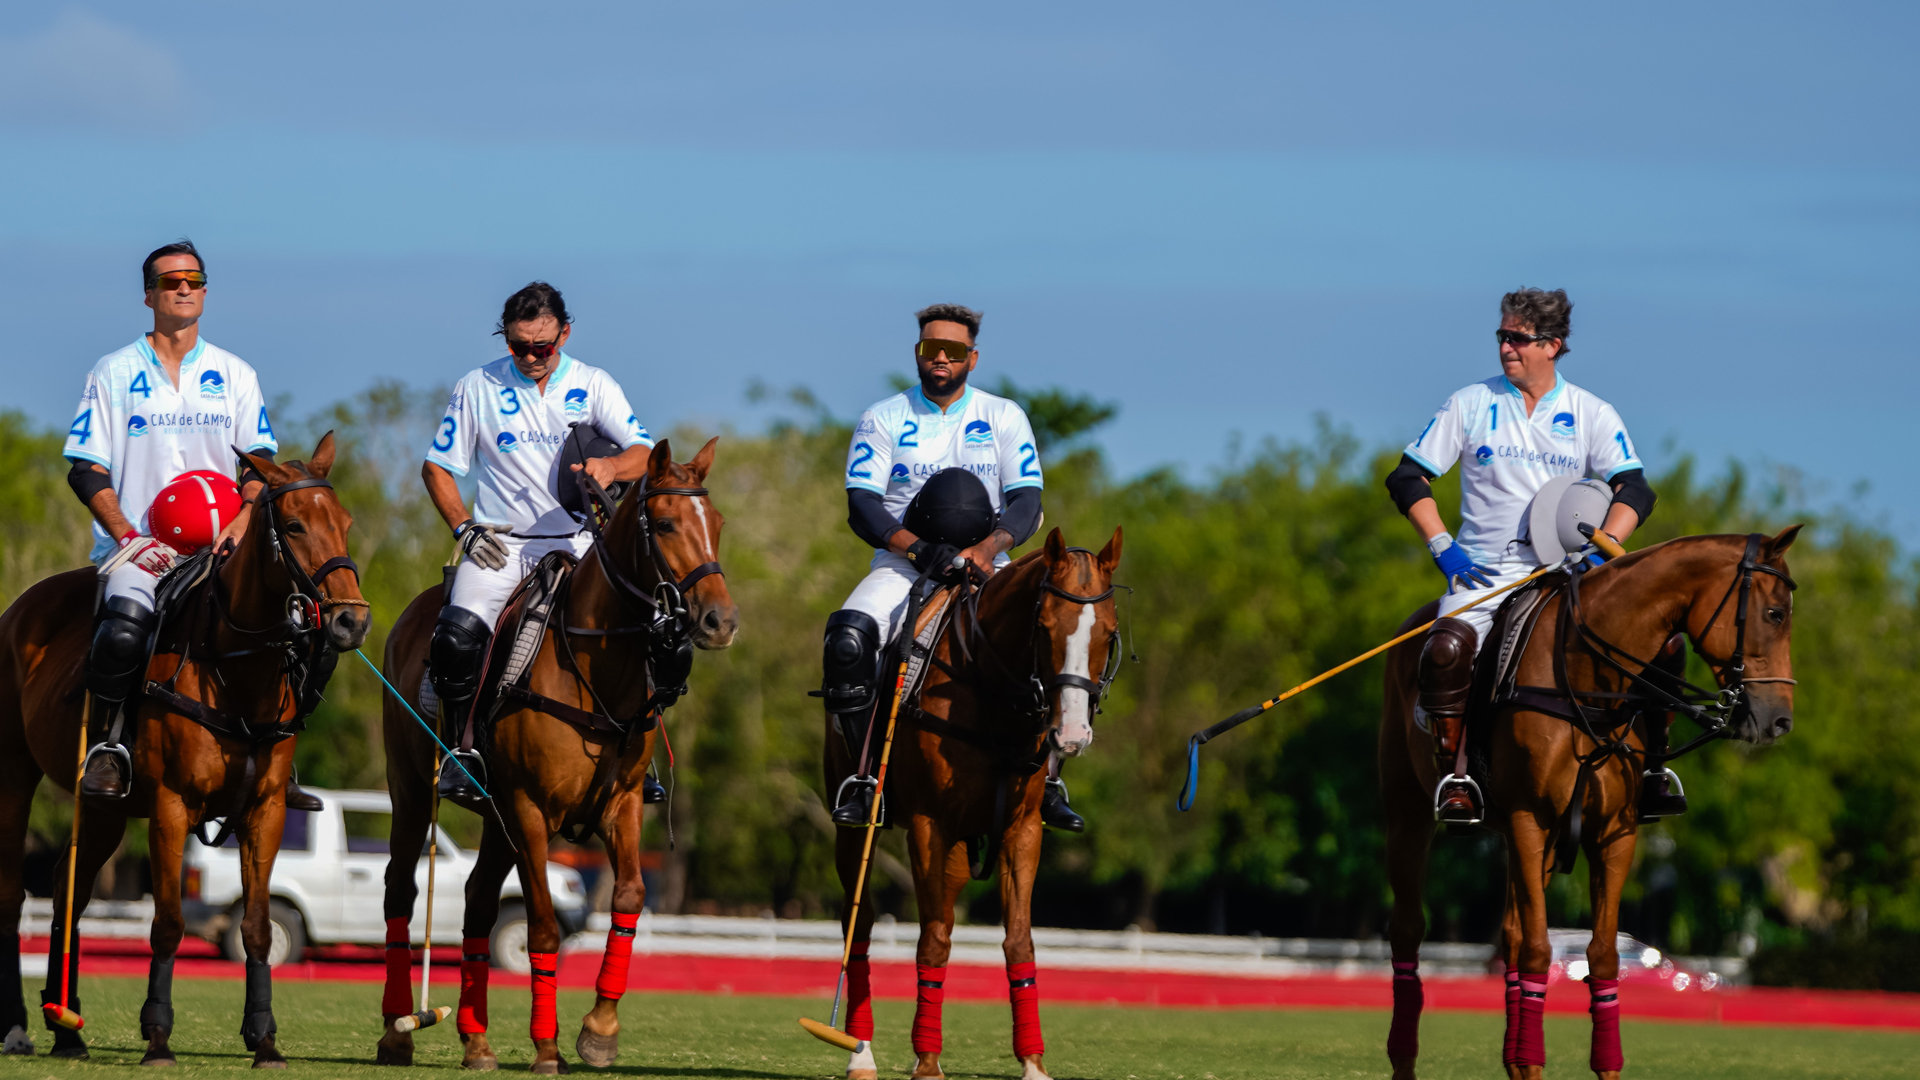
(146, 431)
(1506, 456)
(500, 418)
(905, 439)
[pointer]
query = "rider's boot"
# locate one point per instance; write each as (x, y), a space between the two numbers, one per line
(652, 790)
(298, 798)
(1446, 679)
(454, 656)
(1661, 793)
(1054, 811)
(850, 686)
(116, 667)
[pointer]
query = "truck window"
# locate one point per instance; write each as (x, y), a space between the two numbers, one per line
(293, 837)
(368, 831)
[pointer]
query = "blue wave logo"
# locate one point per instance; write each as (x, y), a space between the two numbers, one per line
(979, 433)
(1563, 425)
(212, 385)
(899, 475)
(1483, 455)
(506, 443)
(136, 426)
(576, 402)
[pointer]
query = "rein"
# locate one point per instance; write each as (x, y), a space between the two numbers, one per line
(1033, 699)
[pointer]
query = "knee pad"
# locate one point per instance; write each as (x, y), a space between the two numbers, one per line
(454, 656)
(119, 652)
(851, 662)
(1446, 667)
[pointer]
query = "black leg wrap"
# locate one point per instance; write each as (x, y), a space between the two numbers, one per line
(256, 1022)
(118, 658)
(13, 1006)
(156, 1016)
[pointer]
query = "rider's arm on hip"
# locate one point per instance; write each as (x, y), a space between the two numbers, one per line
(1411, 487)
(444, 490)
(94, 485)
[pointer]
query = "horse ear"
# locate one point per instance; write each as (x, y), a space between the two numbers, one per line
(274, 472)
(660, 462)
(1056, 547)
(1110, 555)
(1778, 546)
(322, 461)
(702, 461)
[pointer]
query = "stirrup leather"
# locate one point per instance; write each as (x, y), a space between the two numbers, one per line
(1479, 801)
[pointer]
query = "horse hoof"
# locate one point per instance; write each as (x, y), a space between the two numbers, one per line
(556, 1067)
(274, 1062)
(158, 1058)
(69, 1053)
(392, 1055)
(18, 1041)
(1030, 1069)
(597, 1050)
(481, 1063)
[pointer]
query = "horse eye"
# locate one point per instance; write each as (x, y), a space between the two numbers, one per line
(664, 525)
(1776, 616)
(293, 526)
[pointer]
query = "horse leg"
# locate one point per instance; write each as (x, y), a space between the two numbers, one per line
(412, 816)
(1019, 858)
(1511, 939)
(1609, 859)
(1409, 839)
(166, 840)
(599, 1041)
(543, 938)
(101, 828)
(847, 846)
(490, 870)
(259, 844)
(939, 873)
(1529, 853)
(19, 776)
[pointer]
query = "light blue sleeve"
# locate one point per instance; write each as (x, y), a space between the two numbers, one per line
(870, 454)
(1438, 445)
(1019, 452)
(252, 429)
(614, 417)
(452, 447)
(1610, 450)
(95, 422)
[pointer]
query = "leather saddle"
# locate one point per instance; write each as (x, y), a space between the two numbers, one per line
(1496, 668)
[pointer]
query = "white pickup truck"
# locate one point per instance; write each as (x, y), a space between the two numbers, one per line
(328, 883)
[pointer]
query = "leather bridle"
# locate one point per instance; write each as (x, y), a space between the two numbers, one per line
(1039, 688)
(307, 586)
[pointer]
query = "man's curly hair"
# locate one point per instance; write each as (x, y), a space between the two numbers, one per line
(965, 316)
(1549, 313)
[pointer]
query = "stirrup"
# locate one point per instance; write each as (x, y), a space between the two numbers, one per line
(1479, 802)
(455, 783)
(1056, 808)
(122, 764)
(652, 790)
(1671, 804)
(852, 810)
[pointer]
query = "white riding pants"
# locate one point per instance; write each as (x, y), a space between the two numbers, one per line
(484, 592)
(882, 594)
(1454, 603)
(129, 581)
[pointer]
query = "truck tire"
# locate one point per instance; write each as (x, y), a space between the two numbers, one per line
(289, 935)
(508, 942)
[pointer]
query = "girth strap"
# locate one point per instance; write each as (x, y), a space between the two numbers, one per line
(219, 721)
(578, 717)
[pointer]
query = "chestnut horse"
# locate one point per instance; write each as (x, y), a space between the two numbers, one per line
(221, 655)
(1598, 675)
(1012, 680)
(545, 772)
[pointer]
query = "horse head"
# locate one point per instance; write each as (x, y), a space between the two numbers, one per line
(1765, 712)
(1078, 621)
(305, 531)
(685, 528)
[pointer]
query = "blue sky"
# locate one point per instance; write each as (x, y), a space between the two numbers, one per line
(1225, 218)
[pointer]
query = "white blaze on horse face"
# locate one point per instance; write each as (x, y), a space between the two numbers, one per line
(706, 537)
(1075, 732)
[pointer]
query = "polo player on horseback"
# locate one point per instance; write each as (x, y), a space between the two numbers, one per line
(511, 418)
(899, 445)
(1511, 434)
(169, 404)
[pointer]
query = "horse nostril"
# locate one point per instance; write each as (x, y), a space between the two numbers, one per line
(1782, 725)
(711, 620)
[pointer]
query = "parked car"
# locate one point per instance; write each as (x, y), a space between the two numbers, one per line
(329, 881)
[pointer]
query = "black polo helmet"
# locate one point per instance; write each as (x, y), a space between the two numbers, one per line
(582, 442)
(952, 507)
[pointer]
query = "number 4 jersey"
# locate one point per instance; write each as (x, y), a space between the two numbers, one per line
(1506, 456)
(902, 441)
(146, 431)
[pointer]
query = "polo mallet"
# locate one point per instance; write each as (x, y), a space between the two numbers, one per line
(427, 1016)
(1190, 789)
(829, 1032)
(59, 1013)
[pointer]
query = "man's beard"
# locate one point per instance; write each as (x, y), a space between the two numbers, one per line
(934, 386)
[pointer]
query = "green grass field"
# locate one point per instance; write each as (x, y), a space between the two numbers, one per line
(326, 1031)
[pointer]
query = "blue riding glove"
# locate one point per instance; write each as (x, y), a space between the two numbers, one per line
(1456, 564)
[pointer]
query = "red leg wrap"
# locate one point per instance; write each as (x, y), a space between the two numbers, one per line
(1606, 1055)
(1530, 1046)
(398, 998)
(474, 961)
(545, 1021)
(1513, 1018)
(1403, 1036)
(926, 1008)
(860, 993)
(1025, 995)
(612, 982)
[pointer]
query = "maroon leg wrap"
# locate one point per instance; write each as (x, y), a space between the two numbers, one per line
(1606, 1055)
(398, 998)
(1530, 1042)
(1022, 988)
(474, 961)
(1403, 1037)
(860, 993)
(1513, 1017)
(926, 1008)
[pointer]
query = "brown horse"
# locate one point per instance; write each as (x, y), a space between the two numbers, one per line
(220, 656)
(1592, 686)
(1012, 680)
(554, 764)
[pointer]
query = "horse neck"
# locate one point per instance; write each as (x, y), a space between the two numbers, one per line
(255, 584)
(1673, 587)
(1006, 608)
(621, 551)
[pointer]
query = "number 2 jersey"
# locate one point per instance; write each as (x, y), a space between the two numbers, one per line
(146, 431)
(500, 418)
(903, 440)
(1506, 456)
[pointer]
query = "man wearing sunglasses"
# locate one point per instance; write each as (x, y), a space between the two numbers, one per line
(1510, 434)
(898, 445)
(511, 418)
(168, 404)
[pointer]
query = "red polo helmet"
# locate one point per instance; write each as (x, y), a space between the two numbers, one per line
(192, 509)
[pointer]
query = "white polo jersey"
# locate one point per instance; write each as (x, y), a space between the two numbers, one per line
(146, 431)
(1506, 456)
(905, 439)
(499, 417)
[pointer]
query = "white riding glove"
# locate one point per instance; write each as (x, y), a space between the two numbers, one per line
(150, 555)
(481, 544)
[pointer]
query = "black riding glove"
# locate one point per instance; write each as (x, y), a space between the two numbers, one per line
(936, 560)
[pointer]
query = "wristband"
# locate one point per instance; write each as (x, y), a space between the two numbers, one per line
(460, 529)
(1439, 542)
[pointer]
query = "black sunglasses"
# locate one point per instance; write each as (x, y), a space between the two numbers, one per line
(1515, 337)
(539, 350)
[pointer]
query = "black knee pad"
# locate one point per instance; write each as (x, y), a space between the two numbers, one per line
(119, 654)
(454, 656)
(851, 662)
